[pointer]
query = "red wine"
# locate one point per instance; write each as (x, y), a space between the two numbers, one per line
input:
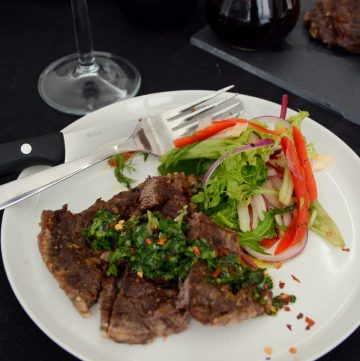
(252, 24)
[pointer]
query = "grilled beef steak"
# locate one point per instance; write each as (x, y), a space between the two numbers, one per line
(336, 23)
(216, 305)
(208, 303)
(143, 310)
(71, 259)
(134, 309)
(202, 227)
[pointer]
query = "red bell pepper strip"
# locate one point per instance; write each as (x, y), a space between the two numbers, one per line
(296, 171)
(305, 163)
(262, 129)
(299, 225)
(287, 239)
(216, 127)
(268, 242)
(205, 133)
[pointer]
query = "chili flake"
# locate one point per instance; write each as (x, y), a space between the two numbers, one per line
(346, 249)
(281, 284)
(162, 241)
(278, 265)
(310, 322)
(287, 308)
(295, 279)
(148, 241)
(300, 316)
(289, 327)
(196, 251)
(293, 350)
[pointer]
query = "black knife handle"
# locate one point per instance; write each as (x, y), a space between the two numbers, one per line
(16, 156)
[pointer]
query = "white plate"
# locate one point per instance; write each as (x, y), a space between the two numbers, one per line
(328, 293)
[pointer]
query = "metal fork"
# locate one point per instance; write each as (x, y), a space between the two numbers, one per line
(153, 134)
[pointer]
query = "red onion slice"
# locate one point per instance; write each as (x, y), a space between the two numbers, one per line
(284, 256)
(248, 261)
(262, 143)
(284, 106)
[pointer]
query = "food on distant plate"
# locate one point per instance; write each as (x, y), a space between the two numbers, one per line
(183, 245)
(335, 23)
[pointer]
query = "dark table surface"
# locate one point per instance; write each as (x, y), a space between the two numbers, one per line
(33, 33)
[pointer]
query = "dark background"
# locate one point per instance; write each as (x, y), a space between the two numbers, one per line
(33, 33)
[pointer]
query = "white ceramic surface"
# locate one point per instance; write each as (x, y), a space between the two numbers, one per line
(328, 293)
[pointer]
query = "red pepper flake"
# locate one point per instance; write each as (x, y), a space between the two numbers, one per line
(287, 308)
(293, 350)
(281, 284)
(148, 241)
(278, 265)
(346, 249)
(310, 322)
(300, 316)
(289, 327)
(295, 279)
(328, 234)
(196, 251)
(222, 251)
(216, 272)
(132, 250)
(162, 241)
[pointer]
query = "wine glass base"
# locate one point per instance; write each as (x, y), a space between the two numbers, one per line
(74, 89)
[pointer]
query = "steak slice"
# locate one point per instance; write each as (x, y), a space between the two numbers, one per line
(107, 298)
(69, 258)
(202, 227)
(143, 310)
(168, 194)
(335, 23)
(216, 305)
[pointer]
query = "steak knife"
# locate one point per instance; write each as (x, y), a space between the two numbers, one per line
(56, 148)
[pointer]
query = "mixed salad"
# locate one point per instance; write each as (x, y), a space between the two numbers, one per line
(257, 178)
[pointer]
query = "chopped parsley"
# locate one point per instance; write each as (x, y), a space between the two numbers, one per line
(159, 249)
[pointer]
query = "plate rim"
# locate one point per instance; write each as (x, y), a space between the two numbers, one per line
(173, 94)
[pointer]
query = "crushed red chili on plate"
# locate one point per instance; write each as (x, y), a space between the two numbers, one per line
(281, 284)
(293, 350)
(287, 309)
(289, 327)
(300, 316)
(346, 249)
(295, 279)
(310, 323)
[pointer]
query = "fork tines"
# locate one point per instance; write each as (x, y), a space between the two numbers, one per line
(174, 112)
(220, 109)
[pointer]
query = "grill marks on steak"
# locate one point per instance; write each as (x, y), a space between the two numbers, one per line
(143, 310)
(336, 23)
(216, 305)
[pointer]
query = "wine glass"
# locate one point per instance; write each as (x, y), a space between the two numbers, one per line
(87, 80)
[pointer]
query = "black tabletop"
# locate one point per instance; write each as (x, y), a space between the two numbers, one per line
(33, 33)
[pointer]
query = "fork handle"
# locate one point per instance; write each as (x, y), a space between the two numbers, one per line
(20, 189)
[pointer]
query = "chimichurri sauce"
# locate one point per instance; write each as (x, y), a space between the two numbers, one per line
(159, 250)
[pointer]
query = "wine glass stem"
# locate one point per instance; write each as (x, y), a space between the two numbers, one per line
(83, 36)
